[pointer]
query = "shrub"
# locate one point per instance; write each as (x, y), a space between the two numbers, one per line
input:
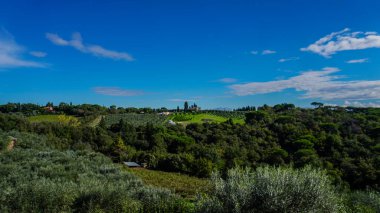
(257, 116)
(271, 189)
(179, 117)
(363, 201)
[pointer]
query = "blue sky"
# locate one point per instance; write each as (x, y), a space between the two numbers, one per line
(212, 52)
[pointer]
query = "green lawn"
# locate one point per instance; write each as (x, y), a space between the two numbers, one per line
(44, 118)
(183, 185)
(206, 117)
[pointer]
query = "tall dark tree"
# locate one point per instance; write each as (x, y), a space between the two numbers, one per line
(186, 106)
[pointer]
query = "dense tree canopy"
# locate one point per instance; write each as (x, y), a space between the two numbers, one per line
(344, 141)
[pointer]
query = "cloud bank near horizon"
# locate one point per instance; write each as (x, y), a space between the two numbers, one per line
(322, 84)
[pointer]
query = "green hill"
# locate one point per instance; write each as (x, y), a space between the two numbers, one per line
(187, 118)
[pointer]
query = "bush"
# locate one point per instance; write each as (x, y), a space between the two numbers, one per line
(363, 201)
(271, 189)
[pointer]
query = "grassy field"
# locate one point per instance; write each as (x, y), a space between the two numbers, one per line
(44, 118)
(71, 120)
(183, 185)
(202, 118)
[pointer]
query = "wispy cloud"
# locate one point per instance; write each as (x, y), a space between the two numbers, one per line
(264, 52)
(342, 41)
(267, 52)
(38, 54)
(11, 53)
(288, 59)
(227, 80)
(321, 84)
(96, 50)
(181, 100)
(361, 104)
(357, 61)
(117, 91)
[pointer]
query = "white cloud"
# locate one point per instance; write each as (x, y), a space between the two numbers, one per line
(288, 59)
(361, 104)
(11, 53)
(254, 52)
(315, 84)
(116, 91)
(96, 50)
(330, 104)
(344, 40)
(357, 61)
(57, 40)
(267, 52)
(38, 54)
(227, 80)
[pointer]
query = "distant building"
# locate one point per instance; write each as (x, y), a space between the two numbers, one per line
(132, 164)
(49, 109)
(194, 108)
(164, 113)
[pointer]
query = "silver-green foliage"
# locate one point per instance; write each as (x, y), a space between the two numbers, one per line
(271, 189)
(36, 178)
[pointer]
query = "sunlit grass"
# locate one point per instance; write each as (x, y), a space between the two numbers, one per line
(207, 117)
(181, 184)
(44, 118)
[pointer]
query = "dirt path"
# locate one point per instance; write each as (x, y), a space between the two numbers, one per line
(96, 121)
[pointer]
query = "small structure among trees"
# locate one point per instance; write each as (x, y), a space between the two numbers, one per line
(132, 164)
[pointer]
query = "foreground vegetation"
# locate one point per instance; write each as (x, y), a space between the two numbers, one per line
(282, 190)
(35, 178)
(39, 178)
(297, 160)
